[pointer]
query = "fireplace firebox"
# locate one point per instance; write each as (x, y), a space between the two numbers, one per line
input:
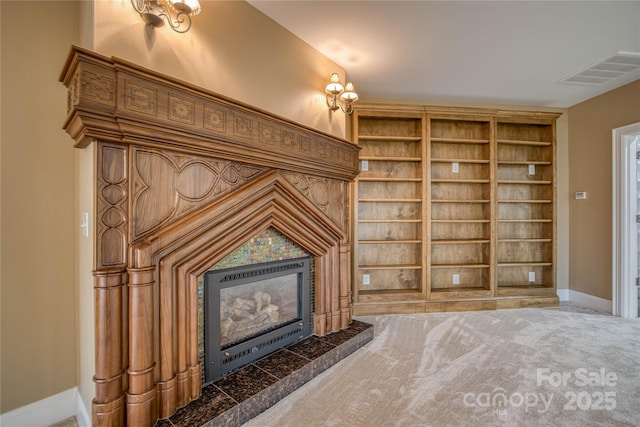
(252, 311)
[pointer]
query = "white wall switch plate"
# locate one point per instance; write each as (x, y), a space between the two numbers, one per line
(455, 167)
(366, 280)
(456, 279)
(364, 165)
(532, 276)
(532, 169)
(84, 223)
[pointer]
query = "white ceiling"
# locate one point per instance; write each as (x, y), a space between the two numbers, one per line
(503, 52)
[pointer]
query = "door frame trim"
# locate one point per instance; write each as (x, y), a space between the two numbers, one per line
(624, 249)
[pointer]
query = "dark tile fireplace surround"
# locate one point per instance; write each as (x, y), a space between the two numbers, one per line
(244, 394)
(182, 177)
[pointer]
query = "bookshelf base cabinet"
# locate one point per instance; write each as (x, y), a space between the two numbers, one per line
(454, 209)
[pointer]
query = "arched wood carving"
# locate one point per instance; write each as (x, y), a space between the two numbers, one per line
(167, 185)
(184, 177)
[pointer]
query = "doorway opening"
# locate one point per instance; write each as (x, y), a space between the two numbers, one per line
(626, 221)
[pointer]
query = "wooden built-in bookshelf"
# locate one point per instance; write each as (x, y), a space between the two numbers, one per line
(526, 207)
(454, 209)
(389, 224)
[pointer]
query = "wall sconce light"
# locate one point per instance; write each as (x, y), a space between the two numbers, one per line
(339, 96)
(155, 12)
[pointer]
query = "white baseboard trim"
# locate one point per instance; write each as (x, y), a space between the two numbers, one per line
(82, 415)
(563, 294)
(586, 300)
(48, 411)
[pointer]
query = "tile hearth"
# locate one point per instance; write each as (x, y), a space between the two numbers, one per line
(242, 395)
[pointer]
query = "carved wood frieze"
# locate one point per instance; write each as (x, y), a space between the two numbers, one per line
(114, 100)
(166, 186)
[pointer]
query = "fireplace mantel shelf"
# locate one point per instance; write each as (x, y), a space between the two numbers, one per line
(111, 99)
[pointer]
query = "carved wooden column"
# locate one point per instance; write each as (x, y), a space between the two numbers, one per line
(345, 284)
(320, 317)
(141, 397)
(184, 296)
(109, 284)
(172, 370)
(193, 362)
(334, 305)
(110, 377)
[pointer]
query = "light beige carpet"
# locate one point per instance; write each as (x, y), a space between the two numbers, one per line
(526, 367)
(67, 422)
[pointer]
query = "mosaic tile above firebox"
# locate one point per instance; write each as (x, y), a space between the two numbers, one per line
(269, 245)
(244, 394)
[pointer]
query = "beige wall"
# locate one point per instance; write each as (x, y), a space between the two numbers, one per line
(39, 222)
(84, 198)
(590, 126)
(232, 49)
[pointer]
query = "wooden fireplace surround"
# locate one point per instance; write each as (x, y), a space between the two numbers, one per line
(182, 178)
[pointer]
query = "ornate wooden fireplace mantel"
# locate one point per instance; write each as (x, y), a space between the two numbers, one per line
(182, 178)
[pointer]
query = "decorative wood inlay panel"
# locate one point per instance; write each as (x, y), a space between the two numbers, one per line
(181, 110)
(72, 92)
(99, 88)
(140, 99)
(242, 126)
(168, 185)
(214, 118)
(328, 195)
(112, 205)
(183, 177)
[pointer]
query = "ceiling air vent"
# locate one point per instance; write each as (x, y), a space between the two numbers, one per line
(606, 70)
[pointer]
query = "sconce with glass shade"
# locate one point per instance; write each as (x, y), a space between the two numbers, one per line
(155, 12)
(339, 96)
